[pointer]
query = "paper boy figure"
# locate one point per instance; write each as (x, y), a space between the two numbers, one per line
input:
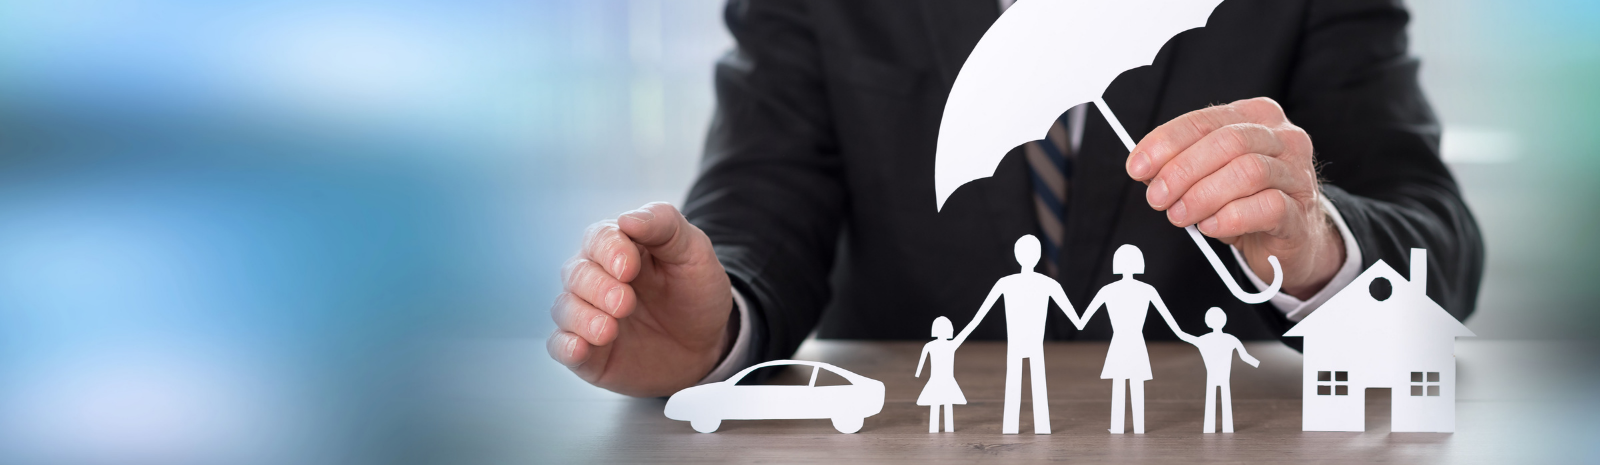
(942, 388)
(1216, 348)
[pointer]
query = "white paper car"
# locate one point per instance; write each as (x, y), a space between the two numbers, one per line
(705, 406)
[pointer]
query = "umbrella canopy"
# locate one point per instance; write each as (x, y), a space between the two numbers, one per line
(1043, 57)
(1039, 59)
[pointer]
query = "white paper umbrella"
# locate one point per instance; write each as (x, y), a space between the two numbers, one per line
(1045, 56)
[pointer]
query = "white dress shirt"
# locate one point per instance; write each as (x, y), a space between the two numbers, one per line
(1294, 309)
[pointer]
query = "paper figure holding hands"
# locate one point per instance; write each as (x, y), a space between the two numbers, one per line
(1127, 302)
(1028, 296)
(1216, 348)
(941, 388)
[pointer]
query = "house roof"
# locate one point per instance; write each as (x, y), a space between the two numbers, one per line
(1354, 311)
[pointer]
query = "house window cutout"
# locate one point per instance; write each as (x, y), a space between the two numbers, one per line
(1425, 384)
(1337, 380)
(1381, 289)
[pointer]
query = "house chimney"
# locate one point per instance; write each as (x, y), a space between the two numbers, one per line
(1419, 270)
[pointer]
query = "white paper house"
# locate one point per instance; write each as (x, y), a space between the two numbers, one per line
(1364, 339)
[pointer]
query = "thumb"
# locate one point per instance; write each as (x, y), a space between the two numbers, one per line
(662, 230)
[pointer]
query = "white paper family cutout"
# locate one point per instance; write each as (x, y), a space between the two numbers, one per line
(1216, 349)
(705, 406)
(1005, 96)
(1127, 302)
(941, 388)
(1028, 295)
(1381, 331)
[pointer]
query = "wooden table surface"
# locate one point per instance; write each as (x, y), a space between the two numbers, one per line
(1520, 401)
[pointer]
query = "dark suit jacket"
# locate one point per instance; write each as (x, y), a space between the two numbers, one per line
(817, 181)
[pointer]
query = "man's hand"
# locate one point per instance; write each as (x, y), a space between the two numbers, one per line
(646, 307)
(1244, 174)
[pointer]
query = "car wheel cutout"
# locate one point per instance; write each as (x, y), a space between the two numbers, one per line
(847, 425)
(705, 426)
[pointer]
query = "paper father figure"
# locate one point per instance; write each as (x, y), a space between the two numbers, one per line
(1028, 296)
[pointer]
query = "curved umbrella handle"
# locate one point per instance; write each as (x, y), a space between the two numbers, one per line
(1216, 263)
(1199, 240)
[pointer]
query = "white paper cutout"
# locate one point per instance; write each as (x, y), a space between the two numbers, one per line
(1227, 279)
(1028, 295)
(1127, 302)
(706, 405)
(1216, 348)
(1364, 339)
(1005, 95)
(941, 388)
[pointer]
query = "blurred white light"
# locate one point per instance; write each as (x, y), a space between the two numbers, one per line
(131, 405)
(353, 63)
(644, 32)
(1479, 145)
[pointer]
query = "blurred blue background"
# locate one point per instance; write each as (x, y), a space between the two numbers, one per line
(237, 232)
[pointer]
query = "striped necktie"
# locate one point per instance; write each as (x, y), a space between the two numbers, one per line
(1050, 161)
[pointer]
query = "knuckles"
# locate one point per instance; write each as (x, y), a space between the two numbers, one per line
(1255, 170)
(582, 275)
(605, 245)
(572, 313)
(1241, 138)
(561, 309)
(571, 270)
(557, 346)
(1260, 109)
(1298, 142)
(1274, 208)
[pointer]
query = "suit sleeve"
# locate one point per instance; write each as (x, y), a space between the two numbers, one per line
(770, 192)
(1355, 90)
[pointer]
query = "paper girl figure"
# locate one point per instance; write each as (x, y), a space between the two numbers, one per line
(1127, 302)
(941, 388)
(1216, 348)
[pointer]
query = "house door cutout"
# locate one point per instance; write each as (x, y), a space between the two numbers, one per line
(1380, 410)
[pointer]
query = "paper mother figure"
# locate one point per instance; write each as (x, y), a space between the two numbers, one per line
(1128, 362)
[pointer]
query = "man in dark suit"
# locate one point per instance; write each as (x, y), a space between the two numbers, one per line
(814, 210)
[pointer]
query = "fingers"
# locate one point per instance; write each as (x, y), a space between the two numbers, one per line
(663, 230)
(567, 348)
(1242, 177)
(588, 281)
(1206, 156)
(576, 316)
(1170, 139)
(1263, 212)
(1203, 161)
(606, 245)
